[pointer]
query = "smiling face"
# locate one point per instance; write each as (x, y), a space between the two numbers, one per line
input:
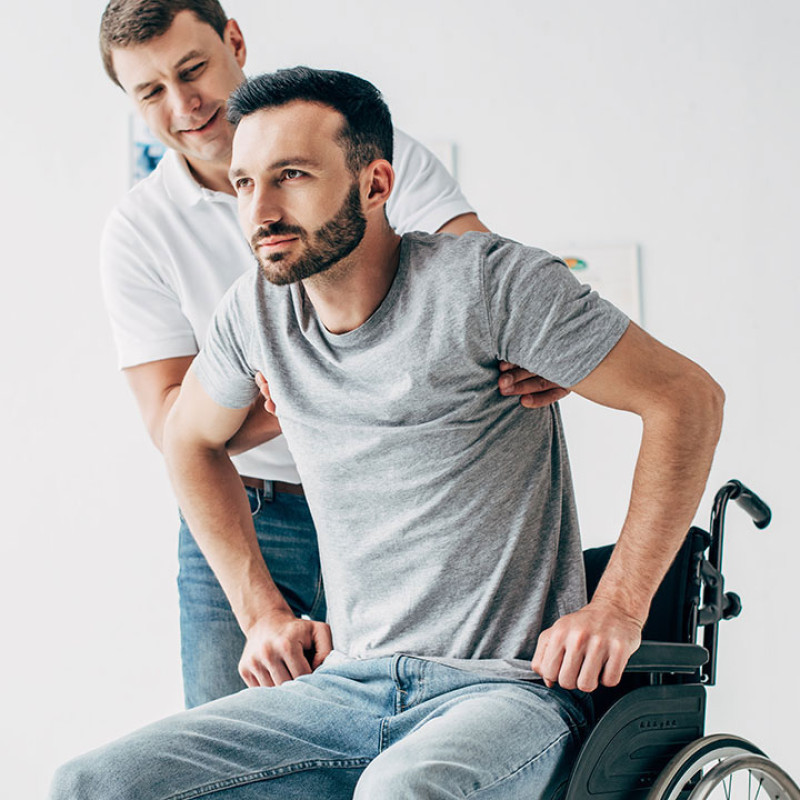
(180, 82)
(299, 204)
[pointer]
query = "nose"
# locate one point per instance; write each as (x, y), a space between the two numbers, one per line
(186, 100)
(264, 206)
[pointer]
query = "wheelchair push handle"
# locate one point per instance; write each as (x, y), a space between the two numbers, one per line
(748, 500)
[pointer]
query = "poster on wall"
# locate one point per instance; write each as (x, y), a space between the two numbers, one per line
(145, 151)
(611, 270)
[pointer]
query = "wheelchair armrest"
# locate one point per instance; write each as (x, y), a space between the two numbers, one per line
(667, 657)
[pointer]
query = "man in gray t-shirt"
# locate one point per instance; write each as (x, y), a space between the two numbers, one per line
(419, 477)
(458, 623)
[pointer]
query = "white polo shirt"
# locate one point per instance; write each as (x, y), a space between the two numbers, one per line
(172, 248)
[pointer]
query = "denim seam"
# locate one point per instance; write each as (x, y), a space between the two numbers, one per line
(383, 741)
(319, 597)
(268, 774)
(521, 766)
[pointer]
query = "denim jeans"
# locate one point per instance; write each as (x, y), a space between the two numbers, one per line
(378, 729)
(211, 640)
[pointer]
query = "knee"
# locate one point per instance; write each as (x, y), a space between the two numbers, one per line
(396, 779)
(77, 779)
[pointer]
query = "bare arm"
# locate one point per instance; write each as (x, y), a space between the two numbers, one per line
(156, 386)
(213, 500)
(681, 411)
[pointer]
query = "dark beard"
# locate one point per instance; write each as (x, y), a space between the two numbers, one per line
(332, 242)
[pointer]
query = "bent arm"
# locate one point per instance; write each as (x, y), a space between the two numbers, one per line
(680, 406)
(156, 386)
(213, 500)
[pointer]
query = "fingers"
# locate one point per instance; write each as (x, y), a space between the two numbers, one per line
(615, 665)
(322, 643)
(533, 390)
(572, 665)
(263, 387)
(541, 399)
(273, 657)
(272, 668)
(581, 652)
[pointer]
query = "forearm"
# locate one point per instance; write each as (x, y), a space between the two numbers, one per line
(674, 461)
(215, 505)
(259, 427)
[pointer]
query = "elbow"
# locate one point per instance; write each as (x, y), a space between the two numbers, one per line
(689, 409)
(714, 402)
(702, 407)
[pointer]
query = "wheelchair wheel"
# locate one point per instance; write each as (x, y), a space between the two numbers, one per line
(722, 767)
(745, 776)
(693, 761)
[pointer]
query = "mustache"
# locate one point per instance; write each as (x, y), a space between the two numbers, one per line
(276, 229)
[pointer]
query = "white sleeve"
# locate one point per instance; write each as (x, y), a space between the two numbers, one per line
(425, 194)
(145, 313)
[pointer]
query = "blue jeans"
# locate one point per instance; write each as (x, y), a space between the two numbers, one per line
(378, 729)
(211, 640)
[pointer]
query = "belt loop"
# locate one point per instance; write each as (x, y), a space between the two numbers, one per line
(269, 490)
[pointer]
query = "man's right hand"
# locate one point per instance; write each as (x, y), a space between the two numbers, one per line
(282, 648)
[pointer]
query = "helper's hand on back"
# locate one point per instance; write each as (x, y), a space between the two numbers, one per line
(587, 648)
(263, 387)
(534, 391)
(283, 647)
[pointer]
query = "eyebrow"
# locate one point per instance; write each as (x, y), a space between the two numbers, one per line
(188, 57)
(299, 161)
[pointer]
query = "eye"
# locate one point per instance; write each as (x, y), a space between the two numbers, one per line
(154, 92)
(194, 71)
(240, 184)
(291, 174)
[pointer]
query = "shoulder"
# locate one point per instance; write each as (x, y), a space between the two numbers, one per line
(494, 266)
(478, 246)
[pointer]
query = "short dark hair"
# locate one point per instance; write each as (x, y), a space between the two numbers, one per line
(129, 22)
(367, 133)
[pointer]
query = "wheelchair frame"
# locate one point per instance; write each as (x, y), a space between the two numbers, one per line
(649, 743)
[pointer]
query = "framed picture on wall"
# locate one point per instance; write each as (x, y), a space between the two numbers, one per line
(144, 152)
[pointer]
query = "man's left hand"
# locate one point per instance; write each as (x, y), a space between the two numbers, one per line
(534, 391)
(587, 648)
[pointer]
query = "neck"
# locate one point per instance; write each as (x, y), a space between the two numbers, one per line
(211, 174)
(348, 294)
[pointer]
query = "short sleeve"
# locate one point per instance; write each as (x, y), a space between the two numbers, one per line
(542, 318)
(425, 194)
(223, 365)
(145, 313)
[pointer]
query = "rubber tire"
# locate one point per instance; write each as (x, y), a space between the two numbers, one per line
(694, 757)
(779, 786)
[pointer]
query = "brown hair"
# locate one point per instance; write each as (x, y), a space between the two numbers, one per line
(130, 22)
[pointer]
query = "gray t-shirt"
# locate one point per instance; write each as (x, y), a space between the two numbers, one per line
(445, 511)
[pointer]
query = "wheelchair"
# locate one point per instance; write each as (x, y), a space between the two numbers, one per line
(649, 742)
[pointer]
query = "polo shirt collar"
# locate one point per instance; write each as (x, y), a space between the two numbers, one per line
(181, 184)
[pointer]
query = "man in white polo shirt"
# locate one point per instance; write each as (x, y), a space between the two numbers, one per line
(170, 250)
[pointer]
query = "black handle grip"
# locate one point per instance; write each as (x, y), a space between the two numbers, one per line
(752, 504)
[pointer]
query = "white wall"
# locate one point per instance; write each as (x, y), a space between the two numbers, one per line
(673, 125)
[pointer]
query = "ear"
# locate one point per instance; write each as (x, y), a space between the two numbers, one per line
(378, 180)
(232, 36)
